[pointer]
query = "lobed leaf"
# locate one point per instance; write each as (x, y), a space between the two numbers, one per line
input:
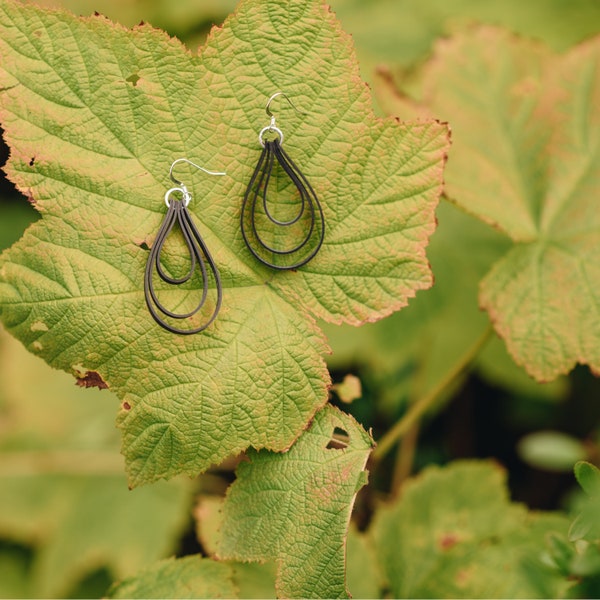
(526, 128)
(295, 507)
(95, 114)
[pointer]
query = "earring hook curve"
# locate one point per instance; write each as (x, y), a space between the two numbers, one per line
(177, 182)
(268, 106)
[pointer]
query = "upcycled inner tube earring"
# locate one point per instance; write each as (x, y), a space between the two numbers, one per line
(200, 263)
(283, 230)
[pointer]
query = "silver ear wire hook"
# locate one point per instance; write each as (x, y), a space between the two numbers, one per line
(268, 107)
(176, 181)
(180, 185)
(272, 127)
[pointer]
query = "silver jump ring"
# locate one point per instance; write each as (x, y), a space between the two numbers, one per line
(186, 195)
(273, 129)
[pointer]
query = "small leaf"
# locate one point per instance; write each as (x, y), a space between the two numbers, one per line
(294, 507)
(551, 450)
(349, 389)
(561, 552)
(588, 477)
(188, 577)
(103, 149)
(580, 528)
(586, 524)
(454, 534)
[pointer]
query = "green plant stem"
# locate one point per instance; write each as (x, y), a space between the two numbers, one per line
(405, 458)
(421, 406)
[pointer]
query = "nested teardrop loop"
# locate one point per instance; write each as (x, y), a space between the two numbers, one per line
(200, 264)
(280, 243)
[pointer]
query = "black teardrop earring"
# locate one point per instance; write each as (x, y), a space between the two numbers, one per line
(287, 233)
(199, 257)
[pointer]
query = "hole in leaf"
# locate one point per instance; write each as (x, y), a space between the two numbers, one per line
(340, 439)
(32, 161)
(133, 79)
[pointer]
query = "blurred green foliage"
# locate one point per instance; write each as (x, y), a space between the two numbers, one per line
(577, 556)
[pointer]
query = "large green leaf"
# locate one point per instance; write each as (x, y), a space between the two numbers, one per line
(95, 114)
(453, 533)
(526, 127)
(295, 507)
(62, 489)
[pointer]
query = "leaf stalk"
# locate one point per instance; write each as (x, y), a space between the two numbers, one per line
(421, 406)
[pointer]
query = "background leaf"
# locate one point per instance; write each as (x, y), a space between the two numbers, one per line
(257, 376)
(402, 32)
(295, 507)
(551, 450)
(363, 572)
(189, 577)
(523, 163)
(454, 534)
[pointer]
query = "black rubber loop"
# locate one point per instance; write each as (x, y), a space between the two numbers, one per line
(256, 201)
(199, 259)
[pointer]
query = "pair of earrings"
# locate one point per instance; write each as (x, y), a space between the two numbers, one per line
(283, 234)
